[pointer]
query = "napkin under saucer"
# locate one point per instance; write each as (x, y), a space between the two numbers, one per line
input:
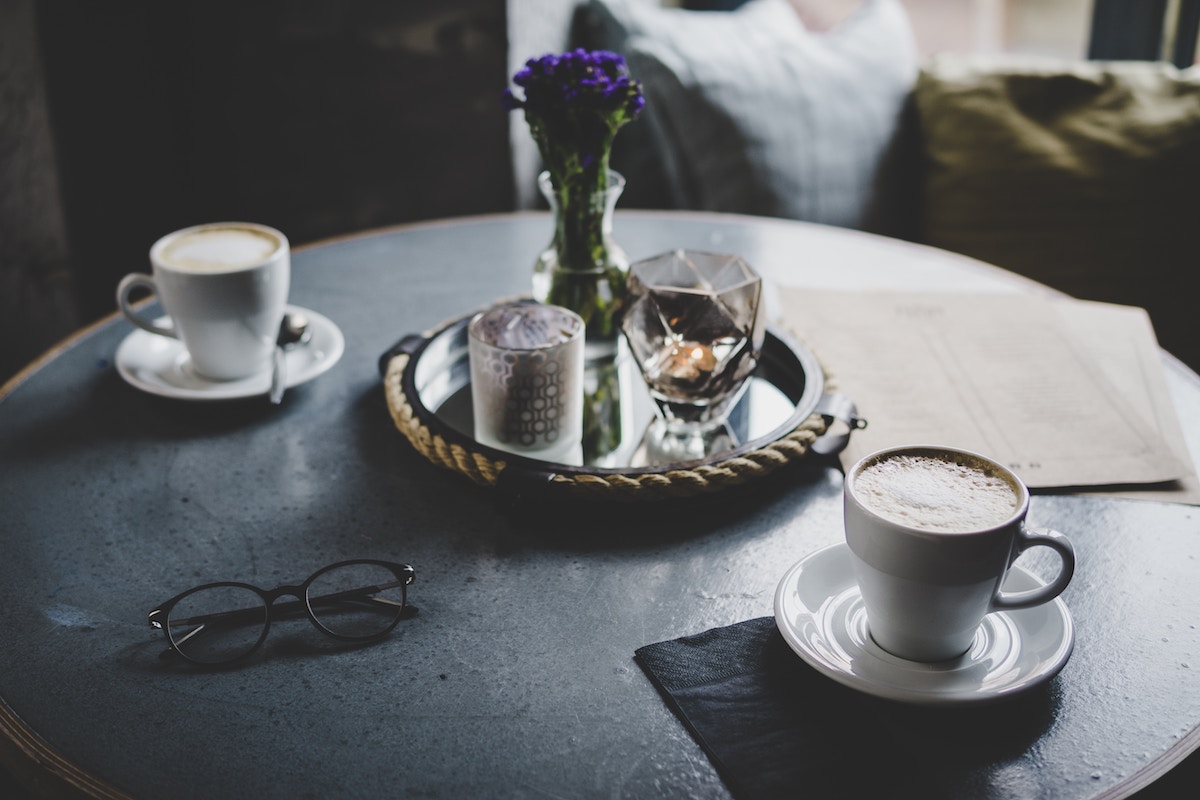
(160, 365)
(774, 727)
(820, 613)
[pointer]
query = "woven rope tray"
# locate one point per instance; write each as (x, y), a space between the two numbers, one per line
(426, 384)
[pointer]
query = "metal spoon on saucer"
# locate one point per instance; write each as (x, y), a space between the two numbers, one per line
(293, 330)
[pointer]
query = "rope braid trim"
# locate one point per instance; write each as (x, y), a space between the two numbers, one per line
(476, 466)
(701, 479)
(704, 478)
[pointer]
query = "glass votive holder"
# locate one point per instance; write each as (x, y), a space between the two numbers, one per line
(527, 380)
(695, 327)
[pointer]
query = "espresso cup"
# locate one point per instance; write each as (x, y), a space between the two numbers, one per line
(932, 533)
(224, 287)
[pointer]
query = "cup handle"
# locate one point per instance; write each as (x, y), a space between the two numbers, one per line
(1040, 537)
(138, 280)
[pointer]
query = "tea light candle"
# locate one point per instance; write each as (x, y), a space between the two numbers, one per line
(689, 361)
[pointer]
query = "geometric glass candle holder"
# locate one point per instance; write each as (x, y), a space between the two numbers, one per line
(695, 326)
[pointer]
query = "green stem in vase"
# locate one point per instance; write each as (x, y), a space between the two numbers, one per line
(587, 273)
(579, 227)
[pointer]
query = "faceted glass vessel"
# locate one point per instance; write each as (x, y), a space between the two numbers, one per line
(695, 328)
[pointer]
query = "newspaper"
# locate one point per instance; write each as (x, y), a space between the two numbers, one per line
(1069, 394)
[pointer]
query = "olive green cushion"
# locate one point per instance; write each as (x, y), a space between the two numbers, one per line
(1085, 176)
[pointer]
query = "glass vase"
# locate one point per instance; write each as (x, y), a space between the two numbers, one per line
(583, 269)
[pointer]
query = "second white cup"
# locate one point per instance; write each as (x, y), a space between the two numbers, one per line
(224, 287)
(932, 532)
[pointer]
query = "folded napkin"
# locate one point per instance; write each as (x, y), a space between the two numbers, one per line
(775, 727)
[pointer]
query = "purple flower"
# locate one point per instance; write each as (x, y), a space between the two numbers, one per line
(575, 103)
(596, 80)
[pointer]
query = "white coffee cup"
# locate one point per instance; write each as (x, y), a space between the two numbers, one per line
(932, 532)
(224, 286)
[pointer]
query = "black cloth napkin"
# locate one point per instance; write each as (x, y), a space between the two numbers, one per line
(775, 727)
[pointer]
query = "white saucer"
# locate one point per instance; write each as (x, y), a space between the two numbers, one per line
(161, 365)
(820, 613)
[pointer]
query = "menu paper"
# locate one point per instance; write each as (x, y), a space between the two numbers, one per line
(1059, 390)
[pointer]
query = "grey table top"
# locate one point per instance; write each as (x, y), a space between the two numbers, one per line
(517, 677)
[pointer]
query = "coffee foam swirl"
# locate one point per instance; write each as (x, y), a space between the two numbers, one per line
(219, 249)
(942, 494)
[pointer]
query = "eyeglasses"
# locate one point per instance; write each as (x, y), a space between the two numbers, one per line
(355, 601)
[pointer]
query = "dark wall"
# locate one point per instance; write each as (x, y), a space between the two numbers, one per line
(320, 117)
(36, 298)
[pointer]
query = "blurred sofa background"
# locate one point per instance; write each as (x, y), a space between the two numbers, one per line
(122, 121)
(1081, 174)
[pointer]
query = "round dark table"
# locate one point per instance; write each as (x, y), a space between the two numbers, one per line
(517, 678)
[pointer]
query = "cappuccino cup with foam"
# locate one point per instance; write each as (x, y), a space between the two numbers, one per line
(224, 287)
(932, 533)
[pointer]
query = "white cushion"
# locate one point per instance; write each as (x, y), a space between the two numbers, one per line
(750, 112)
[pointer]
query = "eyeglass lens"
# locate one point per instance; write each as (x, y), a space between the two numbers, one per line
(356, 601)
(218, 623)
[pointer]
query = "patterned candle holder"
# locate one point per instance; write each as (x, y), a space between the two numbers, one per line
(527, 380)
(695, 328)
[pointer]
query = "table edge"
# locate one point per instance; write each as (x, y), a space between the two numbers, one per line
(34, 762)
(1155, 769)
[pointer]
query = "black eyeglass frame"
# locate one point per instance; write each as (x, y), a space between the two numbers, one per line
(159, 618)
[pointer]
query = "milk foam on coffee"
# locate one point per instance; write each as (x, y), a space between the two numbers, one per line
(218, 249)
(936, 494)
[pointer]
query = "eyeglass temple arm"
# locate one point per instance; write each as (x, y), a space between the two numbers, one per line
(357, 594)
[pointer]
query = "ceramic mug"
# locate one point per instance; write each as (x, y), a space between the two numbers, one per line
(224, 287)
(932, 532)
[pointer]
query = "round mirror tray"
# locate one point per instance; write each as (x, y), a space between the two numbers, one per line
(783, 414)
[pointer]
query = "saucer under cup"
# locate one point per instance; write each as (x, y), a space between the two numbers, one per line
(162, 366)
(820, 614)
